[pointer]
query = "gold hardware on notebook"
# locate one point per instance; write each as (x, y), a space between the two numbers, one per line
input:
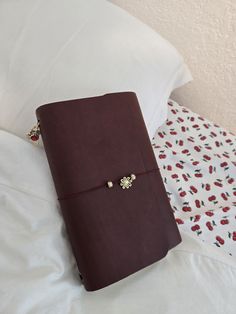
(133, 176)
(126, 182)
(34, 133)
(110, 184)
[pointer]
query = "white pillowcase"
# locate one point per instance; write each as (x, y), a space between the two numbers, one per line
(63, 49)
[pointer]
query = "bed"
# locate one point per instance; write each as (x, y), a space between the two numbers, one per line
(38, 270)
(83, 49)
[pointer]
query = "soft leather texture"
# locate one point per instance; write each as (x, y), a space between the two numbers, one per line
(113, 232)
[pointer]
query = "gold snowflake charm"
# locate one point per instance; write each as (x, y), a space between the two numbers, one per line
(126, 182)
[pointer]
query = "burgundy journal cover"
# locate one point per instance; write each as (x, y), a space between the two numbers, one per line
(114, 231)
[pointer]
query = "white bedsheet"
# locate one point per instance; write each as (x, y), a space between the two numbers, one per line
(38, 273)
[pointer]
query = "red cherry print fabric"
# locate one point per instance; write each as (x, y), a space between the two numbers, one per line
(197, 160)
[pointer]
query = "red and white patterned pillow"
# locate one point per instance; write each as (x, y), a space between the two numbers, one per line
(197, 160)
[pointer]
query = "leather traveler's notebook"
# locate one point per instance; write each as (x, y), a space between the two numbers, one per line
(113, 201)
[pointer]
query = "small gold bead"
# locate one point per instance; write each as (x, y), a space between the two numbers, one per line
(110, 184)
(133, 176)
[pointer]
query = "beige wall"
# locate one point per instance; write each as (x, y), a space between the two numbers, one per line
(204, 31)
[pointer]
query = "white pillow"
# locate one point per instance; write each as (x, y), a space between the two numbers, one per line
(54, 50)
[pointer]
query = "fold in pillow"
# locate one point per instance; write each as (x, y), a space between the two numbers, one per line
(74, 49)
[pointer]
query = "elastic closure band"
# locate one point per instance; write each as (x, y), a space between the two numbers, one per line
(125, 183)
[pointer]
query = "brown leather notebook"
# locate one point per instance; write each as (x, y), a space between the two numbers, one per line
(116, 210)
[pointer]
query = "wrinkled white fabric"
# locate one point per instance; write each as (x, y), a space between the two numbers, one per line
(38, 274)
